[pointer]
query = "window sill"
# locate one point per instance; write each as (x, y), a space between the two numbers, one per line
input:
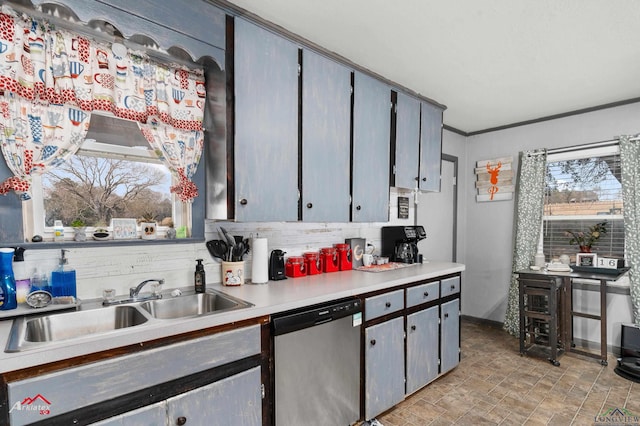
(45, 245)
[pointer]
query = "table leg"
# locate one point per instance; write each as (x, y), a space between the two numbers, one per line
(603, 322)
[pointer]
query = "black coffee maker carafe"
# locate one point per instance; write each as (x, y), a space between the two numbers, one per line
(400, 243)
(276, 265)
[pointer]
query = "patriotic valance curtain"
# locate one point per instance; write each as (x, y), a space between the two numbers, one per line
(51, 80)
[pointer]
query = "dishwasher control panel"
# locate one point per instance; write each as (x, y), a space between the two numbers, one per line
(289, 322)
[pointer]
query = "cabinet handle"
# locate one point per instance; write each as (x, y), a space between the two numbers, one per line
(243, 201)
(388, 304)
(358, 208)
(424, 179)
(426, 294)
(413, 328)
(446, 315)
(373, 342)
(453, 286)
(309, 205)
(417, 178)
(181, 420)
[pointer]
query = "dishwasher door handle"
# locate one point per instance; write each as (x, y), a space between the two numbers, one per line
(322, 321)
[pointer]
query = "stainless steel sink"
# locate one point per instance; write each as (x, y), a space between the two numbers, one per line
(34, 331)
(67, 326)
(192, 305)
(30, 332)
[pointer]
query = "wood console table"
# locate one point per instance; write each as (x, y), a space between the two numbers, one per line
(566, 312)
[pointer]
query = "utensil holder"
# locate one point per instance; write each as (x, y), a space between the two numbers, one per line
(232, 273)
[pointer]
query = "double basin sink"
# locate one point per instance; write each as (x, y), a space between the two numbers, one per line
(38, 331)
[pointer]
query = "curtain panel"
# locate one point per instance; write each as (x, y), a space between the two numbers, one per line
(630, 167)
(52, 79)
(528, 219)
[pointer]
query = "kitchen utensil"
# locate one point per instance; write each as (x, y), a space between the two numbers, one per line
(238, 252)
(218, 249)
(230, 240)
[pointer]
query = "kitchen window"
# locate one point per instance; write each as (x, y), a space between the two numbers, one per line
(118, 177)
(583, 187)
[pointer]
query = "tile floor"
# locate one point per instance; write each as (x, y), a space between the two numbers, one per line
(494, 385)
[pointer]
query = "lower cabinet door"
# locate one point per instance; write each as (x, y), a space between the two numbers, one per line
(422, 348)
(151, 415)
(234, 401)
(384, 366)
(450, 335)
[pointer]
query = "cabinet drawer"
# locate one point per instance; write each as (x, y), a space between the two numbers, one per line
(384, 304)
(450, 286)
(423, 293)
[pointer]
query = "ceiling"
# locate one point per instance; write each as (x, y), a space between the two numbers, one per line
(493, 63)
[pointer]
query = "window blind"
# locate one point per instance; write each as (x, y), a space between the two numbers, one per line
(582, 190)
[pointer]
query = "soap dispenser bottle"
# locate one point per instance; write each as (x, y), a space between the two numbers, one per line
(199, 277)
(7, 280)
(63, 280)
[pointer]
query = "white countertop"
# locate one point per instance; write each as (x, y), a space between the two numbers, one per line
(270, 298)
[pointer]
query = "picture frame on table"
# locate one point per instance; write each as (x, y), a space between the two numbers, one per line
(124, 229)
(586, 259)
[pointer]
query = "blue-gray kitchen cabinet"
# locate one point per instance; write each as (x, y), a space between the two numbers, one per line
(154, 414)
(430, 146)
(234, 401)
(384, 366)
(407, 144)
(371, 150)
(326, 127)
(422, 348)
(266, 125)
(449, 335)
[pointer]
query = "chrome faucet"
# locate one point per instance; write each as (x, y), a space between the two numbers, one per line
(134, 291)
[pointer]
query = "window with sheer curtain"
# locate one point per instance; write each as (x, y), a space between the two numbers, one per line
(583, 188)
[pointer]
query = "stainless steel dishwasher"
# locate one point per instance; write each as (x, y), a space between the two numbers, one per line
(317, 365)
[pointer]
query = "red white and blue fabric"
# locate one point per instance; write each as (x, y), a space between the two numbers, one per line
(52, 79)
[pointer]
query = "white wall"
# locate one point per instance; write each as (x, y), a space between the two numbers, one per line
(489, 226)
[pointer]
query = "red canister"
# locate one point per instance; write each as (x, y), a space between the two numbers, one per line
(329, 258)
(344, 256)
(294, 267)
(313, 263)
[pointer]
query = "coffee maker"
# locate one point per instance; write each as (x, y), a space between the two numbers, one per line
(400, 243)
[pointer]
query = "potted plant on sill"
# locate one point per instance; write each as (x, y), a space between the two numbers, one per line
(101, 233)
(148, 227)
(80, 230)
(585, 240)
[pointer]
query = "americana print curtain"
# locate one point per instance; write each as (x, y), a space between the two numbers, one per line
(52, 79)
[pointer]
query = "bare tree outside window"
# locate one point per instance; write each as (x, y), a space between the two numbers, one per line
(97, 189)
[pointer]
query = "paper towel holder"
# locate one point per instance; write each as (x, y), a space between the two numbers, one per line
(259, 261)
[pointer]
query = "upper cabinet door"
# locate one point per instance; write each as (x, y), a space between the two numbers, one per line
(371, 136)
(407, 141)
(326, 127)
(431, 147)
(266, 125)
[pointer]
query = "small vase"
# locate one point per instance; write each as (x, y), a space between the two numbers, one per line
(148, 230)
(80, 233)
(585, 249)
